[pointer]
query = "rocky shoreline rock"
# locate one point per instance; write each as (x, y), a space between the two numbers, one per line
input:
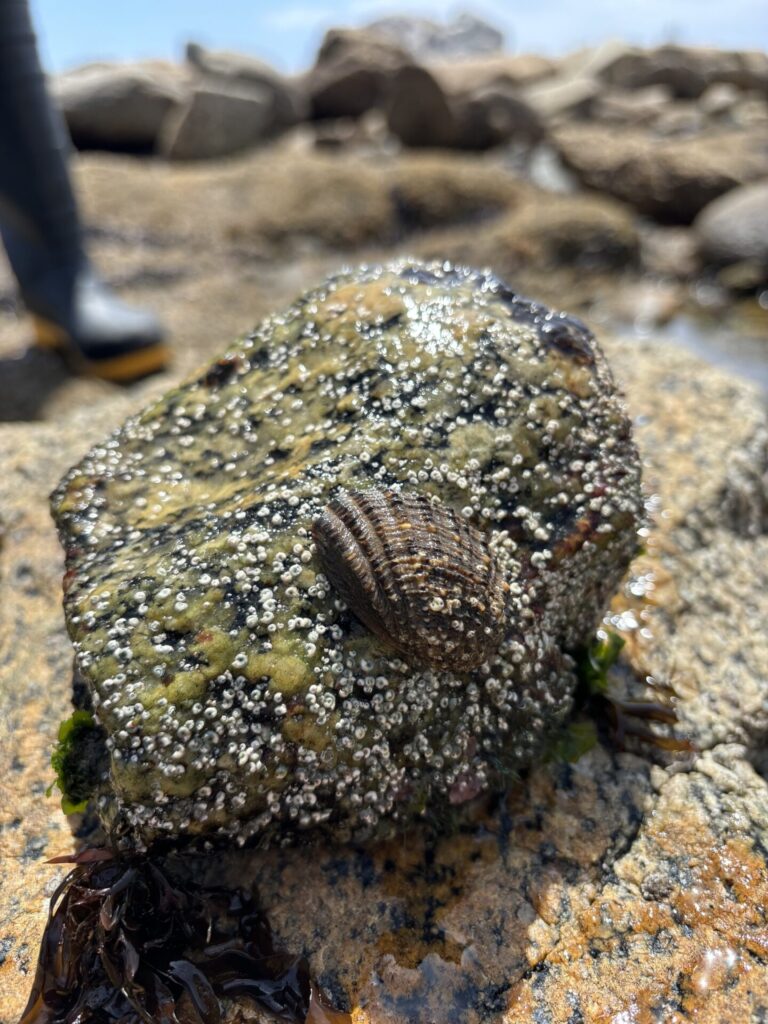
(613, 864)
(671, 89)
(119, 106)
(668, 131)
(734, 228)
(670, 180)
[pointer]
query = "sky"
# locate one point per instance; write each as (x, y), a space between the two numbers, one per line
(287, 34)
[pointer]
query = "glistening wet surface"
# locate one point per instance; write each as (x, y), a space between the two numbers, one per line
(733, 339)
(741, 352)
(426, 927)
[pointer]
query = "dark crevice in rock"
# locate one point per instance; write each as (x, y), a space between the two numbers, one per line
(412, 217)
(756, 754)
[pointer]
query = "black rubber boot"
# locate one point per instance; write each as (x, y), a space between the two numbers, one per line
(71, 308)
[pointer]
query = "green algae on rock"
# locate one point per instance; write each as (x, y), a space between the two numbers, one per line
(238, 694)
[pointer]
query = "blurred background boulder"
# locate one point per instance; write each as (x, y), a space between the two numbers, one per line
(732, 233)
(631, 178)
(119, 106)
(288, 100)
(353, 72)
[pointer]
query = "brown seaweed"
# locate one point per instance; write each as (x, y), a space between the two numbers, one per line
(130, 940)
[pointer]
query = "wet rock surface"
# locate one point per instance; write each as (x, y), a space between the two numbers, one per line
(440, 929)
(678, 933)
(197, 610)
(612, 868)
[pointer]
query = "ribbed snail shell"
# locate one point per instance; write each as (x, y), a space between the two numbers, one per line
(416, 574)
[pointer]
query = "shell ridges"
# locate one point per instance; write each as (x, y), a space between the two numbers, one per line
(417, 574)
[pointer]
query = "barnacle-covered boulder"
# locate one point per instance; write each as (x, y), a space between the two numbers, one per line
(236, 692)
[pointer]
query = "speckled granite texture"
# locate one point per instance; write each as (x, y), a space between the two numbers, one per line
(236, 695)
(613, 890)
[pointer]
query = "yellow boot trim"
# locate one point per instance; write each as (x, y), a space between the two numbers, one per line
(131, 365)
(126, 367)
(49, 335)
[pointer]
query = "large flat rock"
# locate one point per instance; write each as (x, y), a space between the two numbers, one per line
(615, 889)
(667, 179)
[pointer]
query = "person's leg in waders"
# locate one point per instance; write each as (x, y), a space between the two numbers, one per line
(72, 309)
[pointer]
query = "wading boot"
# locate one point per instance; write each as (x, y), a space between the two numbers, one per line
(72, 309)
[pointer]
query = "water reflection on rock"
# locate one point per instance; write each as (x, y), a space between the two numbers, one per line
(422, 928)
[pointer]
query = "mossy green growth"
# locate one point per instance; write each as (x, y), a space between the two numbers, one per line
(576, 739)
(70, 761)
(596, 659)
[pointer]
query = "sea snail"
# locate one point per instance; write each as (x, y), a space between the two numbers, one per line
(416, 574)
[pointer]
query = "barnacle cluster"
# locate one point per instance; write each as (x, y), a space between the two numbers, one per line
(238, 694)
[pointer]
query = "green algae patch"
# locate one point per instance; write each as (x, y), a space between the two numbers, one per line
(214, 646)
(75, 760)
(187, 687)
(301, 728)
(287, 672)
(195, 609)
(575, 740)
(472, 441)
(595, 661)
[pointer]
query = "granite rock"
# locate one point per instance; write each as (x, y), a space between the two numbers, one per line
(668, 179)
(494, 115)
(563, 95)
(418, 110)
(587, 876)
(687, 70)
(35, 693)
(352, 72)
(119, 106)
(719, 99)
(680, 118)
(670, 66)
(515, 70)
(735, 226)
(288, 102)
(632, 107)
(218, 118)
(678, 932)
